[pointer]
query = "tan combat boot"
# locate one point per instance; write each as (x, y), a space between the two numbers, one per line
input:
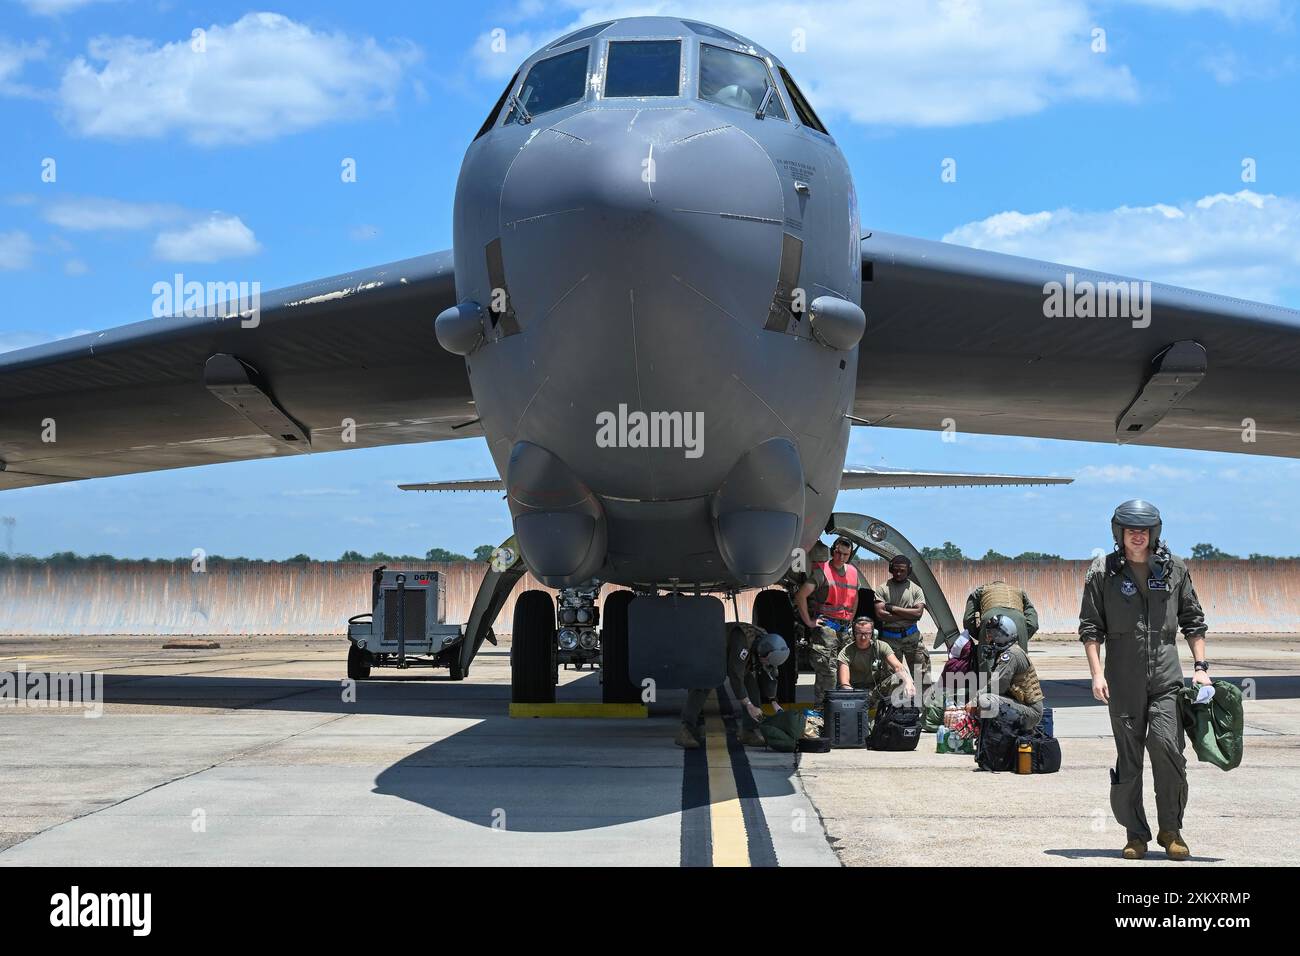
(686, 739)
(1172, 841)
(752, 738)
(1135, 849)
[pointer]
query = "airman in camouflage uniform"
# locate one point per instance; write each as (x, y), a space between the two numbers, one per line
(827, 628)
(869, 664)
(753, 657)
(998, 597)
(1013, 693)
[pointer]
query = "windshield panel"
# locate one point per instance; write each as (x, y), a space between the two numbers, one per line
(552, 83)
(737, 79)
(644, 68)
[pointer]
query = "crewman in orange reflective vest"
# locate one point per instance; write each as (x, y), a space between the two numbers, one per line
(827, 604)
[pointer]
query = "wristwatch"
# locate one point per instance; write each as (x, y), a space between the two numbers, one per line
(1202, 666)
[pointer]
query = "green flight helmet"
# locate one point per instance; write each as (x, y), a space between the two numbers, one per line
(775, 649)
(1136, 514)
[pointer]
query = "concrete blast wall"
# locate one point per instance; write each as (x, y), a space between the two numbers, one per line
(319, 597)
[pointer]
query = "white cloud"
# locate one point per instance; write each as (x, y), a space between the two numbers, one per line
(922, 63)
(54, 8)
(21, 338)
(1233, 9)
(1131, 474)
(16, 250)
(75, 267)
(319, 492)
(14, 58)
(259, 77)
(363, 233)
(218, 237)
(93, 214)
(1246, 244)
(1227, 67)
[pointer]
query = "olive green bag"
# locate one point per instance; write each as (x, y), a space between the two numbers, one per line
(1215, 728)
(782, 731)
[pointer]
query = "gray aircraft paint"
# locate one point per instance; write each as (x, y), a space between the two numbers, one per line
(654, 293)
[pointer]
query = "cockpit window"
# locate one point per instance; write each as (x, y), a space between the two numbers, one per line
(704, 30)
(644, 68)
(737, 79)
(552, 83)
(801, 106)
(583, 34)
(496, 110)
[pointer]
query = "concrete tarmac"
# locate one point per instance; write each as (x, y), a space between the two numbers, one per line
(251, 754)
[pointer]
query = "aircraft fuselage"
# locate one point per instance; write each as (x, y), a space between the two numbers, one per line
(649, 380)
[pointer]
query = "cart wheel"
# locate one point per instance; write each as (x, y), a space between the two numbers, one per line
(456, 672)
(358, 663)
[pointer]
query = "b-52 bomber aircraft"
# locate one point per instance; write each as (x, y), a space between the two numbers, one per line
(654, 312)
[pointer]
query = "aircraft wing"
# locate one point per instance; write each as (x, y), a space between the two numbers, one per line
(862, 477)
(853, 479)
(345, 362)
(457, 484)
(960, 339)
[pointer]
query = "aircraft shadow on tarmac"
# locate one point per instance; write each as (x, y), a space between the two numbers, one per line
(538, 775)
(414, 693)
(541, 775)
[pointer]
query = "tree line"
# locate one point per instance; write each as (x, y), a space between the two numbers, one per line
(948, 552)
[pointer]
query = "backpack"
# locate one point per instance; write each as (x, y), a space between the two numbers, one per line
(896, 728)
(998, 741)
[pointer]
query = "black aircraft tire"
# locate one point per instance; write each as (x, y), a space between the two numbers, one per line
(358, 663)
(774, 613)
(615, 687)
(534, 667)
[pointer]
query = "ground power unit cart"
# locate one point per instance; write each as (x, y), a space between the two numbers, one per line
(405, 626)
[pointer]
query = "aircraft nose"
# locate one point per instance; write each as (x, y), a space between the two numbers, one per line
(630, 200)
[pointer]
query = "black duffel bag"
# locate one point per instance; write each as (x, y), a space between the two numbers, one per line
(896, 728)
(1045, 750)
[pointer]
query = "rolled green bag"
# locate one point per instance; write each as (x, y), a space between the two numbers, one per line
(781, 732)
(1214, 728)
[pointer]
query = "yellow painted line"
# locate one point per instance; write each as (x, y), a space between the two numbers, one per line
(579, 709)
(791, 705)
(727, 822)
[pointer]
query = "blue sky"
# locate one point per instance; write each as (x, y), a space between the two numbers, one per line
(227, 166)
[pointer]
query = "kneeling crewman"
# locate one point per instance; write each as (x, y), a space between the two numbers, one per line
(870, 665)
(1014, 693)
(753, 659)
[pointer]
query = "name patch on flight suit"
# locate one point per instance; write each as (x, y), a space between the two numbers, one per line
(1157, 584)
(1128, 588)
